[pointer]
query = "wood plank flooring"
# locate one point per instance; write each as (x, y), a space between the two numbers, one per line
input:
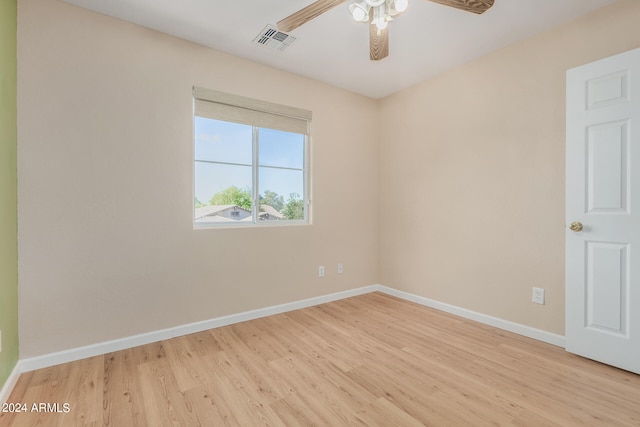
(371, 360)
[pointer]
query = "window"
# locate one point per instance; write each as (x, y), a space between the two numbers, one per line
(250, 161)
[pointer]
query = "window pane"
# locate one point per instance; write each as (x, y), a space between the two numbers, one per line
(223, 193)
(220, 141)
(281, 194)
(282, 149)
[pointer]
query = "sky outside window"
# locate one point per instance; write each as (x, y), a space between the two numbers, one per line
(223, 158)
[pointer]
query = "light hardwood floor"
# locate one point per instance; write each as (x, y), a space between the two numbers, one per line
(371, 360)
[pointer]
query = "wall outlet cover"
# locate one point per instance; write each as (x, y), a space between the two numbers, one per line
(538, 296)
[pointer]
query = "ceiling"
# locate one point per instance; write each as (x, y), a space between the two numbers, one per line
(425, 40)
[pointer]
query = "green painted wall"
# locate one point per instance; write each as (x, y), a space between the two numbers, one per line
(8, 190)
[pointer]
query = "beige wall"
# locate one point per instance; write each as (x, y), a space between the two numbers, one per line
(107, 247)
(8, 192)
(475, 159)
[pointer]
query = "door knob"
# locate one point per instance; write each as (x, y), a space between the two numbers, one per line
(575, 226)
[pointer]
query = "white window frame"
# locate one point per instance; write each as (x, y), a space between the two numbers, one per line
(223, 106)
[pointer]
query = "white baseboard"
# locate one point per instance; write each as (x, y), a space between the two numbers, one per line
(527, 331)
(47, 360)
(8, 386)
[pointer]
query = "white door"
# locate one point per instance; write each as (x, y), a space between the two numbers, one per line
(603, 197)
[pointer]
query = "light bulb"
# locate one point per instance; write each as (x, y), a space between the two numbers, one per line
(401, 5)
(381, 23)
(359, 12)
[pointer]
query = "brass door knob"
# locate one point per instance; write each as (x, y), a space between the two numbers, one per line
(575, 226)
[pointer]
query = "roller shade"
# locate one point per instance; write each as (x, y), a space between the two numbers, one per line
(232, 108)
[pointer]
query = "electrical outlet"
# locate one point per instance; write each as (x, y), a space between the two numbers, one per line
(538, 296)
(321, 271)
(340, 269)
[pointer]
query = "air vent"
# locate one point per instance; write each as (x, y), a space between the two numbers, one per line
(274, 39)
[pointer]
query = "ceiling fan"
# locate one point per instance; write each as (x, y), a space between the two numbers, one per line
(377, 13)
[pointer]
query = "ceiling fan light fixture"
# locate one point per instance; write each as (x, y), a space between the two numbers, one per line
(380, 17)
(359, 11)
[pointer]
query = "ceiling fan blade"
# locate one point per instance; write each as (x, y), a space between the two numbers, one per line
(378, 43)
(306, 14)
(475, 6)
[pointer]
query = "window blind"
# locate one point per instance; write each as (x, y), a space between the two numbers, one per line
(233, 108)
